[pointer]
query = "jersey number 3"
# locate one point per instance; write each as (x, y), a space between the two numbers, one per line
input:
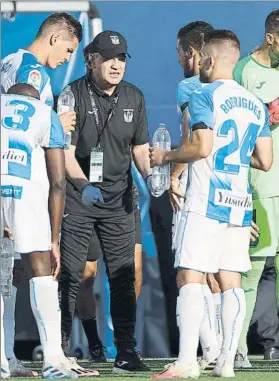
(245, 147)
(20, 118)
(19, 151)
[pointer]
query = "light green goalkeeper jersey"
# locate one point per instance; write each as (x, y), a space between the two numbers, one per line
(263, 82)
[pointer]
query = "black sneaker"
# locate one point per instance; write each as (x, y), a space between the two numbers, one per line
(129, 360)
(271, 353)
(96, 354)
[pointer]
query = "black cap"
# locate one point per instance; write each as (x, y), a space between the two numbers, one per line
(109, 44)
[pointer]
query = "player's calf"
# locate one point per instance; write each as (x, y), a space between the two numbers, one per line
(233, 314)
(190, 294)
(45, 306)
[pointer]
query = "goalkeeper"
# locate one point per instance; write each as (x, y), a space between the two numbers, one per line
(259, 73)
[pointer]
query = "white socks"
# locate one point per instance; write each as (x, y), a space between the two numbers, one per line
(191, 302)
(177, 312)
(9, 323)
(207, 330)
(46, 310)
(218, 318)
(233, 314)
(4, 361)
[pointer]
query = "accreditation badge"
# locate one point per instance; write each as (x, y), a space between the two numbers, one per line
(96, 165)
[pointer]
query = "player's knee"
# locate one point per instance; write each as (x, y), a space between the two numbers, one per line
(39, 263)
(229, 280)
(188, 276)
(90, 270)
(40, 271)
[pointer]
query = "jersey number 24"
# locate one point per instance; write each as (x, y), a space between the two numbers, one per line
(245, 147)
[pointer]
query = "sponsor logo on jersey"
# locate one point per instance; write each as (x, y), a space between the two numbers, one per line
(128, 115)
(35, 79)
(11, 191)
(229, 199)
(15, 156)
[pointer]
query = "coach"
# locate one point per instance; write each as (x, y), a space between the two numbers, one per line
(111, 125)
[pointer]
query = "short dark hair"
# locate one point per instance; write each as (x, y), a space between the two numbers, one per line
(24, 89)
(222, 35)
(86, 52)
(192, 34)
(65, 21)
(272, 22)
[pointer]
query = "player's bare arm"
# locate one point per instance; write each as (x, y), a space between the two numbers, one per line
(68, 121)
(262, 156)
(73, 170)
(178, 169)
(198, 148)
(55, 163)
(140, 155)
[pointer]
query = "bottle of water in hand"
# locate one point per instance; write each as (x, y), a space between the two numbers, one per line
(66, 102)
(161, 174)
(7, 264)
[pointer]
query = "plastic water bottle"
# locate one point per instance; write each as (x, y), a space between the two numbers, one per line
(66, 102)
(161, 174)
(7, 264)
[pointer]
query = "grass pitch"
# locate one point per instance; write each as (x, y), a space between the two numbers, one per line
(261, 371)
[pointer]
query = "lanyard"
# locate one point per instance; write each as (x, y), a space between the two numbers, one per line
(95, 112)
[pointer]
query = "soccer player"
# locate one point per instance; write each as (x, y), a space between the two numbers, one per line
(229, 131)
(56, 40)
(27, 123)
(190, 39)
(257, 72)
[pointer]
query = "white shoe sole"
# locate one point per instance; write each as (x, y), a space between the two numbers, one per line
(119, 370)
(223, 373)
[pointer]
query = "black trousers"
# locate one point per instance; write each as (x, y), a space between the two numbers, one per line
(265, 321)
(161, 220)
(116, 233)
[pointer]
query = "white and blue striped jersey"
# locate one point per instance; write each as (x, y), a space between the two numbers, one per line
(23, 67)
(26, 124)
(218, 185)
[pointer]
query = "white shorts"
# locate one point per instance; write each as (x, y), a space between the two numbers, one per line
(208, 246)
(175, 224)
(26, 214)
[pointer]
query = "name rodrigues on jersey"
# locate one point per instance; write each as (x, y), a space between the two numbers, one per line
(240, 102)
(15, 156)
(228, 198)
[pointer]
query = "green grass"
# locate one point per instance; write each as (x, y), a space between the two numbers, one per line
(261, 371)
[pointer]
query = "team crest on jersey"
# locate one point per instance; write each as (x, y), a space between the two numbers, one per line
(35, 79)
(128, 115)
(115, 40)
